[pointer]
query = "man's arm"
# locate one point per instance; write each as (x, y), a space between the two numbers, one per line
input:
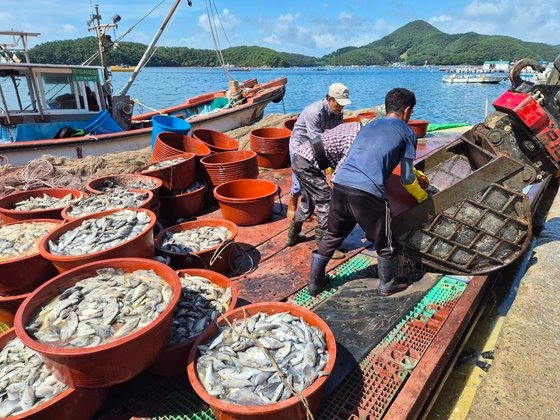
(409, 180)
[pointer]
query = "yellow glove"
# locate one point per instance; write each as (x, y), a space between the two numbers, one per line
(422, 176)
(416, 190)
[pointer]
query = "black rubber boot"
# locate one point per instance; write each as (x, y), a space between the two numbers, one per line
(317, 273)
(388, 280)
(319, 233)
(294, 233)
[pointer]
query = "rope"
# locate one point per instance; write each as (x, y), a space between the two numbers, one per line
(236, 271)
(212, 15)
(280, 202)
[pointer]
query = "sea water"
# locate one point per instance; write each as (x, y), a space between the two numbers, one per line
(437, 102)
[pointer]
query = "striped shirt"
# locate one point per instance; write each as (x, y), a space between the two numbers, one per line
(336, 143)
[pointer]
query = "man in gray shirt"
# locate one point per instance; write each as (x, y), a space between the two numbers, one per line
(312, 121)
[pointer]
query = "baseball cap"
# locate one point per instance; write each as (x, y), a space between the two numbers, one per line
(340, 93)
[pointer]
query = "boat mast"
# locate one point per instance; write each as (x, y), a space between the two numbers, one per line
(102, 38)
(148, 53)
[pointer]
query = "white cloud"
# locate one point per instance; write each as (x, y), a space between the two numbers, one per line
(440, 19)
(528, 21)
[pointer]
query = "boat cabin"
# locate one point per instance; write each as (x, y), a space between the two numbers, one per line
(38, 100)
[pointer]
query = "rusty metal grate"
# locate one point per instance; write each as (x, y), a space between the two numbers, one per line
(478, 235)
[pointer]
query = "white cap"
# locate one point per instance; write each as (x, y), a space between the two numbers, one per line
(340, 93)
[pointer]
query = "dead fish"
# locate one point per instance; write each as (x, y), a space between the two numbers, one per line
(195, 240)
(45, 202)
(236, 365)
(94, 235)
(97, 310)
(201, 303)
(25, 380)
(21, 239)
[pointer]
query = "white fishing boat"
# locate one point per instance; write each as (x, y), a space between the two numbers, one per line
(474, 78)
(68, 110)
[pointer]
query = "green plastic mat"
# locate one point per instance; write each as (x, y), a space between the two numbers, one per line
(437, 127)
(351, 269)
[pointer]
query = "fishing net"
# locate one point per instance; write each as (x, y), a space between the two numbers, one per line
(64, 172)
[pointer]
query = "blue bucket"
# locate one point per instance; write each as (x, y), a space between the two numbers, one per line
(102, 123)
(161, 123)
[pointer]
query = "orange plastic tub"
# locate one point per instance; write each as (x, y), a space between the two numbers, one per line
(71, 404)
(246, 202)
(140, 246)
(291, 408)
(23, 274)
(9, 214)
(109, 363)
(218, 258)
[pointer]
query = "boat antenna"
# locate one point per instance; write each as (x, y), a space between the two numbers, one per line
(150, 50)
(103, 41)
(213, 15)
(129, 30)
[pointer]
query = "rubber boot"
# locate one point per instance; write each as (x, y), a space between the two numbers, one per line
(317, 273)
(388, 281)
(294, 233)
(319, 233)
(292, 206)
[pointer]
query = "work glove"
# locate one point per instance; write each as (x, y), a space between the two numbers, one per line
(416, 190)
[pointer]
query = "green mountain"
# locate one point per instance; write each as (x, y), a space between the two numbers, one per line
(416, 43)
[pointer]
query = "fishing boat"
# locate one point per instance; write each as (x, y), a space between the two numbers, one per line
(122, 67)
(70, 110)
(474, 78)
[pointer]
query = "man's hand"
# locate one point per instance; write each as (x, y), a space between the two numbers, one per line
(421, 177)
(328, 175)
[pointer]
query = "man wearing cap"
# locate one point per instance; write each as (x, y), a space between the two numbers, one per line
(309, 164)
(312, 121)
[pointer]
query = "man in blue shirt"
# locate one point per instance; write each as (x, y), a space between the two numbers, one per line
(358, 194)
(312, 121)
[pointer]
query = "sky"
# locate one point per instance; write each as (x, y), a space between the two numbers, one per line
(309, 27)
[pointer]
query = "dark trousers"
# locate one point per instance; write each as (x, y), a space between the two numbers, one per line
(315, 192)
(349, 207)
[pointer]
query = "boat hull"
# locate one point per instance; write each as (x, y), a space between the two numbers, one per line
(21, 152)
(473, 79)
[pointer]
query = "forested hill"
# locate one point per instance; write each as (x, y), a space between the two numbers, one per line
(416, 43)
(419, 42)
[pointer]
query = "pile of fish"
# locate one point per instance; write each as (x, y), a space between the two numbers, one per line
(201, 303)
(98, 234)
(134, 183)
(101, 308)
(195, 240)
(165, 163)
(21, 239)
(117, 198)
(45, 202)
(25, 381)
(193, 187)
(235, 366)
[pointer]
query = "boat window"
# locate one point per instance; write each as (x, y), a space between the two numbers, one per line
(17, 94)
(59, 91)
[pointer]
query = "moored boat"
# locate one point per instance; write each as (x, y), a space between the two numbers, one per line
(69, 110)
(473, 78)
(123, 67)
